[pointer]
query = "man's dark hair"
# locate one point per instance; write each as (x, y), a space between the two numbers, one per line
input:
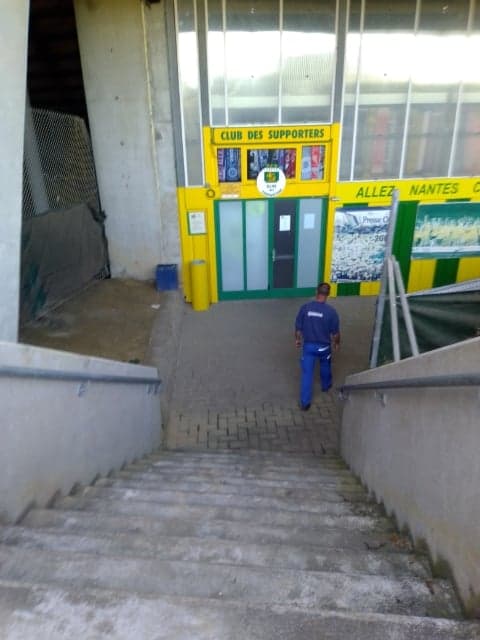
(323, 289)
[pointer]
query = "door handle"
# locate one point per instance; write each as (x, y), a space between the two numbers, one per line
(274, 254)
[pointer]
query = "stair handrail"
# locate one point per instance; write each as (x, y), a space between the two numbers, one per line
(446, 380)
(78, 376)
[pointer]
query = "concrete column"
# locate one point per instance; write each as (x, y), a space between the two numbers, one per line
(13, 69)
(126, 135)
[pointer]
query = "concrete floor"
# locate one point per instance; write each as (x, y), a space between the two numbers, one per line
(111, 319)
(230, 374)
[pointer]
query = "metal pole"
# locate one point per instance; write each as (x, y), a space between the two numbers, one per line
(393, 311)
(406, 310)
(383, 282)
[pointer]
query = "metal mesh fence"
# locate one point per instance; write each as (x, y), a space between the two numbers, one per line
(58, 168)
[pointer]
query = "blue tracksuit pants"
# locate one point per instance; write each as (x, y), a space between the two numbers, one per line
(313, 351)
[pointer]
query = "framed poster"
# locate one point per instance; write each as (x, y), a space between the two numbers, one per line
(359, 244)
(449, 230)
(196, 223)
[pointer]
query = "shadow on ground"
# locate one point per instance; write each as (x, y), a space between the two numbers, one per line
(111, 319)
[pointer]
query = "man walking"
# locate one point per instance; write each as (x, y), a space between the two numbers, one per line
(318, 324)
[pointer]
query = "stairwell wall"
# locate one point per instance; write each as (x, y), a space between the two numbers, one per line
(417, 451)
(57, 433)
(13, 65)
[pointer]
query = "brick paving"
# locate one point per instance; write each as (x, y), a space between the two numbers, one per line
(232, 376)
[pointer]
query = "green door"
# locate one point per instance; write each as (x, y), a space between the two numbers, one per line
(269, 248)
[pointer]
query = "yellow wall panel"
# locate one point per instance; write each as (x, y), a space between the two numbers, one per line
(422, 273)
(468, 269)
(369, 288)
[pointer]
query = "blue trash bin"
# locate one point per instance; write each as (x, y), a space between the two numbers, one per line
(166, 277)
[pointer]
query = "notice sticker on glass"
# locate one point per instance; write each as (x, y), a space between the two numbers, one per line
(284, 223)
(309, 221)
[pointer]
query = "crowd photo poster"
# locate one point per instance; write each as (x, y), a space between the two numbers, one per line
(359, 244)
(449, 230)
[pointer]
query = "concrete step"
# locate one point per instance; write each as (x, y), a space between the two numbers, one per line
(249, 458)
(158, 495)
(373, 539)
(247, 472)
(346, 482)
(38, 612)
(280, 556)
(353, 493)
(205, 513)
(293, 457)
(255, 585)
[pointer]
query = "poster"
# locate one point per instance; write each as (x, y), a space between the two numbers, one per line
(284, 159)
(284, 224)
(309, 221)
(228, 163)
(196, 223)
(450, 230)
(313, 162)
(359, 244)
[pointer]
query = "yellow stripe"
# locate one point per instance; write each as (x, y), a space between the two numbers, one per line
(468, 269)
(421, 276)
(369, 288)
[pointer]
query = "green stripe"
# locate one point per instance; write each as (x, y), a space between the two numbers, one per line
(445, 272)
(403, 236)
(348, 289)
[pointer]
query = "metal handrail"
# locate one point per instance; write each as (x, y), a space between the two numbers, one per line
(454, 380)
(76, 376)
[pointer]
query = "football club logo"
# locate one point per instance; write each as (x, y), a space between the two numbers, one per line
(271, 181)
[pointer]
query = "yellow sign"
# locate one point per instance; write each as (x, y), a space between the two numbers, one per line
(272, 135)
(435, 189)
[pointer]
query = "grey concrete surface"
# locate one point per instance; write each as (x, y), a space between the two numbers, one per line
(108, 552)
(13, 66)
(232, 374)
(53, 613)
(123, 49)
(417, 449)
(57, 433)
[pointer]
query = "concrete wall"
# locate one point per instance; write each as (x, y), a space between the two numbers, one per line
(58, 433)
(13, 61)
(418, 451)
(124, 61)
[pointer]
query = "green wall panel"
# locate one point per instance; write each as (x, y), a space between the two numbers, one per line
(445, 272)
(348, 289)
(403, 236)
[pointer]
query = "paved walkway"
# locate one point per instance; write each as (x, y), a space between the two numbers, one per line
(232, 375)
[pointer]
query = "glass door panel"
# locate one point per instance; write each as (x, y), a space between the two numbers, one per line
(283, 253)
(309, 235)
(231, 245)
(256, 244)
(270, 247)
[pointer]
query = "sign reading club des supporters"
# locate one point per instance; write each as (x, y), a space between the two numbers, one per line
(271, 181)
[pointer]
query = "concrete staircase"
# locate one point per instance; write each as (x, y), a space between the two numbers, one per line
(227, 546)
